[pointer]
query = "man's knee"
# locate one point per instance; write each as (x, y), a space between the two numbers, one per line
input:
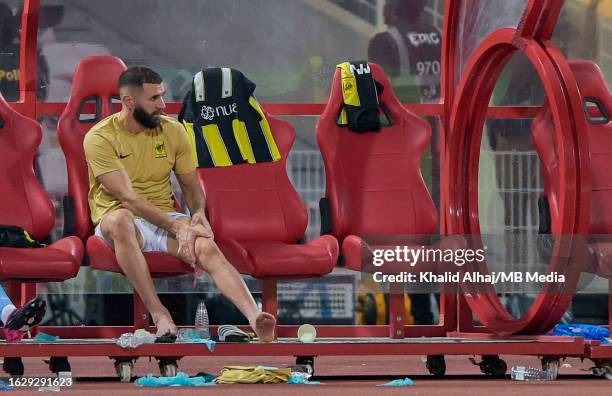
(119, 224)
(206, 247)
(208, 254)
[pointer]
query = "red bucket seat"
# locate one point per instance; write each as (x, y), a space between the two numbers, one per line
(597, 102)
(374, 185)
(26, 204)
(258, 218)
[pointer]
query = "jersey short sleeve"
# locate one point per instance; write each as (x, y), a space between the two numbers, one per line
(184, 157)
(100, 154)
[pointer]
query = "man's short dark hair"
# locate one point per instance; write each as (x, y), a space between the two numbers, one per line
(136, 76)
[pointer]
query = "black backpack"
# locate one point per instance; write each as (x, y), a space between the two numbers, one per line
(13, 236)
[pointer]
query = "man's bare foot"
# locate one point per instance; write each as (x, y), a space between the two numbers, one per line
(164, 325)
(264, 327)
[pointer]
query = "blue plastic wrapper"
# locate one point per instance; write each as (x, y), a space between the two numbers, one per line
(399, 382)
(4, 386)
(300, 379)
(589, 332)
(44, 337)
(190, 336)
(181, 379)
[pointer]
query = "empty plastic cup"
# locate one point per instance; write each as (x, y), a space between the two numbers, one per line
(307, 333)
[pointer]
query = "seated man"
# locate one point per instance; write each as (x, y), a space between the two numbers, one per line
(130, 156)
(18, 321)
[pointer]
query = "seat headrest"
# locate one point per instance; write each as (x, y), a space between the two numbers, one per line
(96, 76)
(589, 77)
(596, 96)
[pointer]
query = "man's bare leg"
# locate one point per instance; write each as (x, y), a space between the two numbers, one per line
(118, 228)
(230, 284)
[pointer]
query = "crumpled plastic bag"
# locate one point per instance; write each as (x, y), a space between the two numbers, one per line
(399, 382)
(136, 339)
(181, 379)
(298, 378)
(4, 386)
(44, 337)
(190, 336)
(589, 332)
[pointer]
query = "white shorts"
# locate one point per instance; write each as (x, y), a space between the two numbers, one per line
(155, 238)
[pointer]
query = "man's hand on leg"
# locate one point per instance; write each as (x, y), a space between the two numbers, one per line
(199, 219)
(185, 236)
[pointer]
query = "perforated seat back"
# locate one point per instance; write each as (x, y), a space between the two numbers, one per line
(373, 180)
(597, 101)
(256, 202)
(24, 201)
(94, 81)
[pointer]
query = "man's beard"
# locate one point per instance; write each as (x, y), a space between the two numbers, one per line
(150, 121)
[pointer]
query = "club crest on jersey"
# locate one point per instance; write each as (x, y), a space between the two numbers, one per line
(160, 149)
(348, 87)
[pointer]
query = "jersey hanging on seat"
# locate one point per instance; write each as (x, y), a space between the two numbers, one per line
(225, 123)
(361, 111)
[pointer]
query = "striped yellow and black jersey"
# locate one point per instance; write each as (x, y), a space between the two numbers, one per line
(225, 123)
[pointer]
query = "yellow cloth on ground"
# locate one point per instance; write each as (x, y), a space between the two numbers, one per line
(253, 375)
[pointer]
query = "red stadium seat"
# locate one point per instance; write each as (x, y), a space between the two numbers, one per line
(258, 217)
(374, 184)
(597, 101)
(95, 81)
(26, 204)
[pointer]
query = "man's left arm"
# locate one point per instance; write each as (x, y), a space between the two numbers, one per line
(196, 202)
(190, 186)
(186, 174)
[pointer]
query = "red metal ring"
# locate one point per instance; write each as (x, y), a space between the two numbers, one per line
(461, 172)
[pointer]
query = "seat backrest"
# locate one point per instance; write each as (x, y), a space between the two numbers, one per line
(94, 81)
(597, 102)
(256, 202)
(373, 180)
(24, 201)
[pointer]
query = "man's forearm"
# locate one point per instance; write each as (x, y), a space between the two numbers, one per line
(140, 207)
(195, 200)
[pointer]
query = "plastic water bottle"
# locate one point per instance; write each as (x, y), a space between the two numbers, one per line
(201, 321)
(524, 373)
